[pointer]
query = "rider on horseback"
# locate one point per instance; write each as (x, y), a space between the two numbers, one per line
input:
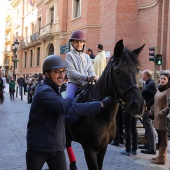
(80, 67)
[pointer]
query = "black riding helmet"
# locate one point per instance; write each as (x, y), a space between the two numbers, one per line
(52, 62)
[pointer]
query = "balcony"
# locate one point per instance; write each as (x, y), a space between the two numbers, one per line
(30, 41)
(7, 52)
(47, 32)
(33, 38)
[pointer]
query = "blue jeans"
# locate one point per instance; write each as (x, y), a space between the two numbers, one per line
(71, 91)
(149, 130)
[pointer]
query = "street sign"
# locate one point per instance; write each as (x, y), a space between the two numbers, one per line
(64, 49)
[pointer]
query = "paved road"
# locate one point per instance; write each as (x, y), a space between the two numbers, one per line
(13, 121)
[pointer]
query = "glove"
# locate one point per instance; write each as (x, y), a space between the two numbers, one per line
(108, 102)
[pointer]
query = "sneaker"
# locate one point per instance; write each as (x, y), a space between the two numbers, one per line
(134, 152)
(148, 151)
(124, 152)
(143, 147)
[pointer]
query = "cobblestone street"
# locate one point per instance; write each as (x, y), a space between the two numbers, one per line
(13, 122)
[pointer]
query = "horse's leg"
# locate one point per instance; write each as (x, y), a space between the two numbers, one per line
(71, 154)
(100, 157)
(91, 159)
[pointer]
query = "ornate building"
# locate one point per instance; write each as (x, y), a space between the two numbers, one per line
(43, 27)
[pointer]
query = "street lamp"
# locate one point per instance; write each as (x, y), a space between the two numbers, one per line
(14, 59)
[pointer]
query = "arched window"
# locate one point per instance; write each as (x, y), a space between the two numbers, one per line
(51, 49)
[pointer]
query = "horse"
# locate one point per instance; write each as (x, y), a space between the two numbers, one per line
(119, 80)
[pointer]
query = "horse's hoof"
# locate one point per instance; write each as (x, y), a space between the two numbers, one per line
(73, 166)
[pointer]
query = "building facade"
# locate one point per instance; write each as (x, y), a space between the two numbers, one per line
(44, 27)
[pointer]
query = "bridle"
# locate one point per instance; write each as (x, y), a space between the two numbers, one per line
(119, 97)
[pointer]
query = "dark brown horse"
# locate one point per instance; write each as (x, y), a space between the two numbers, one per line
(119, 79)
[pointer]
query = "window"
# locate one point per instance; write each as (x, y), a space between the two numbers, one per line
(32, 29)
(76, 8)
(52, 14)
(39, 24)
(31, 57)
(51, 49)
(25, 61)
(38, 56)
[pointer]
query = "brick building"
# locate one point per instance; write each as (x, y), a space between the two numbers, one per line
(43, 27)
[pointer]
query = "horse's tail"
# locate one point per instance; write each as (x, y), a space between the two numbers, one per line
(1, 97)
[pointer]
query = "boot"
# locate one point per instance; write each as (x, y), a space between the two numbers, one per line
(162, 156)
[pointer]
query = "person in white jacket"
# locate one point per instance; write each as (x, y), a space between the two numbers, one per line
(80, 67)
(99, 60)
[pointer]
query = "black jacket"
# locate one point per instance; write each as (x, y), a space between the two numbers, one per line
(148, 92)
(21, 81)
(46, 125)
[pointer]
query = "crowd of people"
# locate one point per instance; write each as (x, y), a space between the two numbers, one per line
(46, 140)
(155, 120)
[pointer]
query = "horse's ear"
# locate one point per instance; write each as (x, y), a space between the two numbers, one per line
(118, 48)
(138, 50)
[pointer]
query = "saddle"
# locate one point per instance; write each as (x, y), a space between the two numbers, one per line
(82, 92)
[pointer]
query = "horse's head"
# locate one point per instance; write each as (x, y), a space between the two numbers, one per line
(123, 72)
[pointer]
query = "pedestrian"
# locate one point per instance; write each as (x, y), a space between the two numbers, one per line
(4, 81)
(90, 53)
(1, 88)
(21, 83)
(12, 88)
(131, 134)
(148, 93)
(80, 68)
(100, 60)
(160, 111)
(46, 124)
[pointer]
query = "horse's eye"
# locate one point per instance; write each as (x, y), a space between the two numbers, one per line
(117, 70)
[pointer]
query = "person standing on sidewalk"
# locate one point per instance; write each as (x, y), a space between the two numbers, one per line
(131, 134)
(160, 111)
(46, 125)
(148, 93)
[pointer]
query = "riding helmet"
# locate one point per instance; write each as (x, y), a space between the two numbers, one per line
(52, 62)
(78, 35)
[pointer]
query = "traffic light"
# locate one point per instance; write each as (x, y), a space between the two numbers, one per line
(158, 59)
(152, 53)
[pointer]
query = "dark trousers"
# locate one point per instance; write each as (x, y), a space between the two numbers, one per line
(55, 160)
(119, 126)
(131, 134)
(162, 138)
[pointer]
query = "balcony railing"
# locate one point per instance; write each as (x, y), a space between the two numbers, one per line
(33, 38)
(46, 29)
(29, 40)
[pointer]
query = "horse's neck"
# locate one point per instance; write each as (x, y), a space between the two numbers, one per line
(102, 88)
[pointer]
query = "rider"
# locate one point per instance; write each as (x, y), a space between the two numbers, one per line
(46, 124)
(80, 67)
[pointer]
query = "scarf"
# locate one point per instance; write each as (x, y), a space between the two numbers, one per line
(162, 87)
